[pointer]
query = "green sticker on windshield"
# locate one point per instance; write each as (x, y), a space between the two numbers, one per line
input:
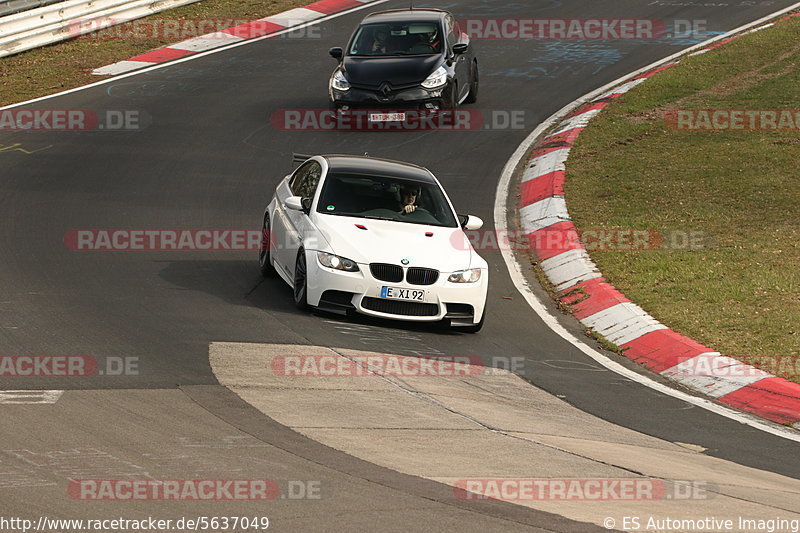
(330, 208)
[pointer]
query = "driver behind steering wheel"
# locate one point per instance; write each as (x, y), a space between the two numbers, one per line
(430, 38)
(408, 199)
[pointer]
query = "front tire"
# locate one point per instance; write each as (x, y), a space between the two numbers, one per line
(301, 281)
(452, 103)
(472, 97)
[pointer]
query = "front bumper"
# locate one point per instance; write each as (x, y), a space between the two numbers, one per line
(411, 98)
(463, 303)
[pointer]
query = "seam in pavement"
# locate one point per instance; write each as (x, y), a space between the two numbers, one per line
(224, 404)
(408, 389)
(425, 397)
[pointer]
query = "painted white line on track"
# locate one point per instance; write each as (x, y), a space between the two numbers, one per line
(29, 397)
(157, 66)
(520, 281)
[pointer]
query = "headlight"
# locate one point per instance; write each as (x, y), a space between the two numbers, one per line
(337, 263)
(465, 276)
(339, 82)
(437, 79)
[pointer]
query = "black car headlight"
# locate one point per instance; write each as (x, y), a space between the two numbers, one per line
(339, 82)
(337, 263)
(436, 80)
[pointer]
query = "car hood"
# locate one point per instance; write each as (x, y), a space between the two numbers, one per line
(397, 71)
(447, 250)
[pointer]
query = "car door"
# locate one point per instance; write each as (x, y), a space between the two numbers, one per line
(281, 225)
(461, 64)
(298, 224)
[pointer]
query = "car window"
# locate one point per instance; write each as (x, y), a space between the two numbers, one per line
(306, 179)
(396, 38)
(367, 196)
(458, 35)
(451, 35)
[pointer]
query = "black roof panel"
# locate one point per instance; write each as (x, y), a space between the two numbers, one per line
(405, 15)
(353, 164)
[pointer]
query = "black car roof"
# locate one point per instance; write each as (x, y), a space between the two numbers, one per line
(353, 164)
(405, 15)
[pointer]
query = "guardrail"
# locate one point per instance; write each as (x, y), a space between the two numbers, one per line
(9, 7)
(71, 18)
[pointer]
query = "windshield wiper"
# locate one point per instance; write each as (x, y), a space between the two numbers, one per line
(373, 217)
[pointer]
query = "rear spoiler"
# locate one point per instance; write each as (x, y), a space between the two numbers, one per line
(300, 158)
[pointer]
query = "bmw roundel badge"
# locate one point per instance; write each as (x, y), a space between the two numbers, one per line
(404, 261)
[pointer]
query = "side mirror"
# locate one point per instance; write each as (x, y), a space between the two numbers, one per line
(294, 203)
(470, 222)
(336, 52)
(460, 48)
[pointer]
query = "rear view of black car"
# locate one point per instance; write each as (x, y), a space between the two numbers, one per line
(405, 59)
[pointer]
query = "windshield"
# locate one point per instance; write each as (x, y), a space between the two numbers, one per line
(396, 38)
(385, 198)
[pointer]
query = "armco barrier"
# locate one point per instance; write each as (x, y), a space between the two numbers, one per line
(57, 22)
(9, 7)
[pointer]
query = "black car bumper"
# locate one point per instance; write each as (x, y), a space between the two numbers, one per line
(412, 98)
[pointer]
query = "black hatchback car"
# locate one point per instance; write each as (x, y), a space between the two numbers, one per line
(405, 59)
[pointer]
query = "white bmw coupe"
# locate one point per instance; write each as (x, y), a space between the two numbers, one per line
(374, 236)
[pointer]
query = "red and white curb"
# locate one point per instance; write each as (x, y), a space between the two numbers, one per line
(603, 309)
(242, 32)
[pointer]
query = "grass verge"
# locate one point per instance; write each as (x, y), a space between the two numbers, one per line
(740, 292)
(69, 64)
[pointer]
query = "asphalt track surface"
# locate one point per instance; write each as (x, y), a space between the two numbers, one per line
(210, 159)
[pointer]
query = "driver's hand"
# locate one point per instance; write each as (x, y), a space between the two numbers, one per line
(409, 208)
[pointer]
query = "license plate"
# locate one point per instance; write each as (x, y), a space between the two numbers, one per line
(387, 117)
(397, 293)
